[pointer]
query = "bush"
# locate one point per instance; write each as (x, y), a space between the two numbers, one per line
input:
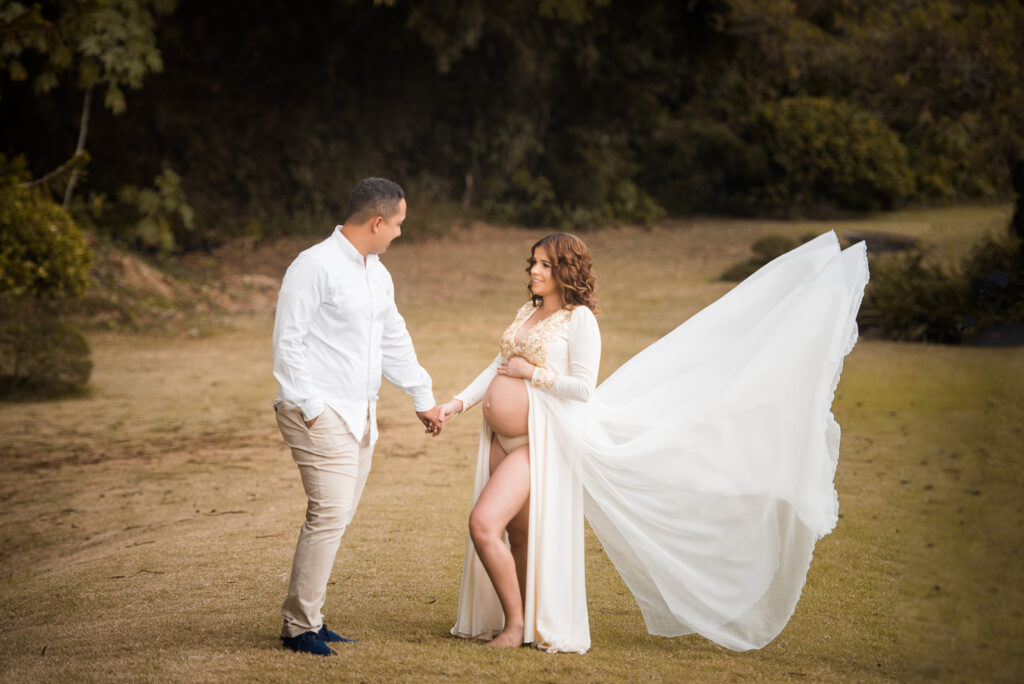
(913, 298)
(44, 257)
(765, 249)
(826, 153)
(40, 357)
(154, 219)
(994, 273)
(42, 251)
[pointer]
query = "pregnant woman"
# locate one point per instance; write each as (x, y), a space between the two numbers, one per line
(704, 464)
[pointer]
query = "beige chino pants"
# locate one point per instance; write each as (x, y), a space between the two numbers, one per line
(334, 466)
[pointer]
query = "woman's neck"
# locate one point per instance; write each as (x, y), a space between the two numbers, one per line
(551, 304)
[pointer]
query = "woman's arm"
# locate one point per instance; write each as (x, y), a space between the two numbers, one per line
(476, 390)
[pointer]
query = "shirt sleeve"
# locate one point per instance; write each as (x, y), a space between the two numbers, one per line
(584, 360)
(478, 388)
(400, 366)
(302, 292)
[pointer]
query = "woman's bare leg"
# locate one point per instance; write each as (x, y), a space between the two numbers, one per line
(502, 498)
(519, 528)
(518, 539)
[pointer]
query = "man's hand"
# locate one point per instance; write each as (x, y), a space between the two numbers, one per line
(309, 423)
(431, 420)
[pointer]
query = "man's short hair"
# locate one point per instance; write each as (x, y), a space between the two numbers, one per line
(373, 197)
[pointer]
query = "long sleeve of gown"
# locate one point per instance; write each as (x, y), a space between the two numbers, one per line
(478, 388)
(584, 360)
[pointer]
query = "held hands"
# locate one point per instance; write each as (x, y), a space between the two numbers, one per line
(517, 367)
(431, 420)
(450, 409)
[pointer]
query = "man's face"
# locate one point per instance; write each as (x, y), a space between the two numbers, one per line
(388, 229)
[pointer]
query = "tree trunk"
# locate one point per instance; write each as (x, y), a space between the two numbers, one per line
(83, 131)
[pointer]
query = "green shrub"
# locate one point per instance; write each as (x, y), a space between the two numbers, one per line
(911, 297)
(42, 251)
(770, 246)
(914, 299)
(155, 219)
(44, 258)
(41, 357)
(765, 249)
(163, 213)
(826, 153)
(994, 271)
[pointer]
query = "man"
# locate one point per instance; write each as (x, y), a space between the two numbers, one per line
(336, 330)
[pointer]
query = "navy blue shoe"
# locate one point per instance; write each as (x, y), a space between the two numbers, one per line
(327, 635)
(307, 642)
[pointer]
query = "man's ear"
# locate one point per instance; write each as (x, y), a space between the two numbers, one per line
(375, 224)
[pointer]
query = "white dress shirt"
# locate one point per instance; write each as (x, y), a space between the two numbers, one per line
(336, 330)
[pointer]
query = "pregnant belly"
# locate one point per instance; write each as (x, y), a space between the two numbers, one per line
(506, 406)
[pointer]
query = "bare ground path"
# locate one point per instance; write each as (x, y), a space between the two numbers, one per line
(146, 530)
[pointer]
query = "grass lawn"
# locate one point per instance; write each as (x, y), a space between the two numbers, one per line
(146, 530)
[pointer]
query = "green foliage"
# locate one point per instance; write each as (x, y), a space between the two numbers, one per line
(162, 211)
(949, 77)
(561, 196)
(532, 201)
(824, 152)
(42, 252)
(98, 42)
(765, 249)
(913, 297)
(994, 271)
(13, 172)
(43, 257)
(40, 357)
(564, 113)
(157, 218)
(696, 163)
(770, 246)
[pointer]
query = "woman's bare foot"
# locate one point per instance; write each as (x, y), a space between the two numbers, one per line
(509, 637)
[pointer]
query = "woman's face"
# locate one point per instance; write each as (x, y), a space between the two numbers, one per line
(542, 282)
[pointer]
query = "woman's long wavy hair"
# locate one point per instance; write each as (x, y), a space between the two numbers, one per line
(571, 268)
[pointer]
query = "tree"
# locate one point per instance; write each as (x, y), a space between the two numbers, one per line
(947, 76)
(98, 43)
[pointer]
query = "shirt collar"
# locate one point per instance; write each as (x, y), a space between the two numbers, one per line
(348, 250)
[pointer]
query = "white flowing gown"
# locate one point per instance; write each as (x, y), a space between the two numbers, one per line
(705, 464)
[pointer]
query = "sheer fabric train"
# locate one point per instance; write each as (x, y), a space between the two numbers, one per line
(705, 464)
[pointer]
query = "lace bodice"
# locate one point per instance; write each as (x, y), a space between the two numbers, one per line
(533, 344)
(565, 347)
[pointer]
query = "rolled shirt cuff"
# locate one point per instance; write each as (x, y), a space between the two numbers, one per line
(423, 399)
